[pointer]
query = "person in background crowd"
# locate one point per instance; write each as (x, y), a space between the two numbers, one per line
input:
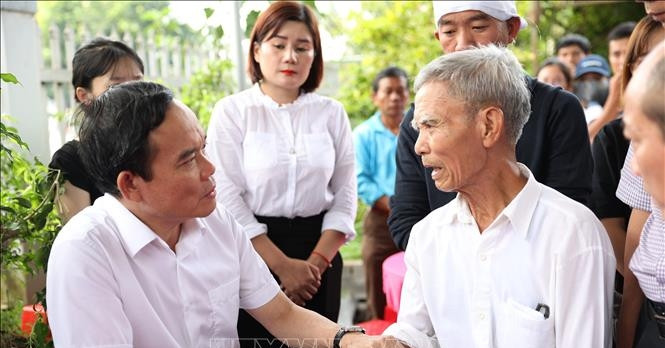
(554, 72)
(375, 144)
(591, 85)
(609, 149)
(645, 123)
(154, 262)
(571, 49)
(618, 48)
(285, 164)
(96, 66)
(655, 9)
(510, 262)
(645, 239)
(554, 144)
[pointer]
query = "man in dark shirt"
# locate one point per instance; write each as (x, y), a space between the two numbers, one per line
(554, 143)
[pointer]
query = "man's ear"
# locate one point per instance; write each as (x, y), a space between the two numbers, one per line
(374, 99)
(513, 27)
(436, 34)
(83, 95)
(127, 184)
(492, 125)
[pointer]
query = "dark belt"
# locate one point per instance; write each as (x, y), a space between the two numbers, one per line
(657, 314)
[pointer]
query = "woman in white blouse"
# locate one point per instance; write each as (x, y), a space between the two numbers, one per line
(285, 163)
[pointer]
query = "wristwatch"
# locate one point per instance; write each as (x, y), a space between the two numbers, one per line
(343, 331)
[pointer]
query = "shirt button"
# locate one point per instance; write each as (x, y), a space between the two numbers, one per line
(292, 151)
(482, 316)
(483, 258)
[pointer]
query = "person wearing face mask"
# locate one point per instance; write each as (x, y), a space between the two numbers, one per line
(96, 66)
(592, 84)
(285, 162)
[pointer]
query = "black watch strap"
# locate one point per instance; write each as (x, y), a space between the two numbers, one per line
(343, 331)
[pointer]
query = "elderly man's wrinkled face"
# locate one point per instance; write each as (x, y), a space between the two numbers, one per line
(463, 30)
(449, 140)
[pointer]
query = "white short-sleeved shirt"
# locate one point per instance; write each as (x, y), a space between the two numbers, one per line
(283, 160)
(467, 289)
(112, 282)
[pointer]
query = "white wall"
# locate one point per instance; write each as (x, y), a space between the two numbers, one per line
(21, 56)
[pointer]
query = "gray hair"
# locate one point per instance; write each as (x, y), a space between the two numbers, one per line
(482, 77)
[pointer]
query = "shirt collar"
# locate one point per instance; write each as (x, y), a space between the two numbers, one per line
(265, 99)
(377, 125)
(134, 233)
(519, 211)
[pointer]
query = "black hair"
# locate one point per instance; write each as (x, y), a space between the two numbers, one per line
(559, 64)
(96, 58)
(576, 40)
(621, 31)
(392, 71)
(115, 128)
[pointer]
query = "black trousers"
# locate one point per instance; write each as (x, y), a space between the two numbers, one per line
(296, 238)
(647, 334)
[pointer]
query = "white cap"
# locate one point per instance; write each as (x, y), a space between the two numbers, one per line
(501, 10)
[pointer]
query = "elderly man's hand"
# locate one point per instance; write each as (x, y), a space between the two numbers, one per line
(300, 280)
(361, 341)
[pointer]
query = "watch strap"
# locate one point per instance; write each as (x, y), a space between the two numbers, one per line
(343, 331)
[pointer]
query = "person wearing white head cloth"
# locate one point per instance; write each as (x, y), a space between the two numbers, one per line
(554, 144)
(509, 263)
(501, 10)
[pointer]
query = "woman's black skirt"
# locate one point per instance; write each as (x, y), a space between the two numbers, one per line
(296, 238)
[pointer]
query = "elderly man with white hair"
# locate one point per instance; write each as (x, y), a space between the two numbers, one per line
(554, 145)
(509, 262)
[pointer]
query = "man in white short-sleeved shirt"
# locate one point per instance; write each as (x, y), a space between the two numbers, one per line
(509, 262)
(154, 263)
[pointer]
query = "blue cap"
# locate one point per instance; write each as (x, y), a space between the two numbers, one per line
(592, 63)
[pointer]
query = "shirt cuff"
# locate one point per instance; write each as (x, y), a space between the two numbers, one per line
(410, 336)
(370, 199)
(341, 222)
(255, 229)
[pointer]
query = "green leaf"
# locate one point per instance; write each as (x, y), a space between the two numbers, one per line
(10, 78)
(209, 11)
(251, 19)
(8, 209)
(219, 32)
(23, 202)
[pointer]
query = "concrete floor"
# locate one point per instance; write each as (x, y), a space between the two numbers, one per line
(353, 290)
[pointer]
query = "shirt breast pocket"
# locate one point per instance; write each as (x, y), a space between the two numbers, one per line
(518, 326)
(320, 150)
(259, 150)
(225, 302)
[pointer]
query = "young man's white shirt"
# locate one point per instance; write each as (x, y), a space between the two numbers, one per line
(466, 289)
(112, 282)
